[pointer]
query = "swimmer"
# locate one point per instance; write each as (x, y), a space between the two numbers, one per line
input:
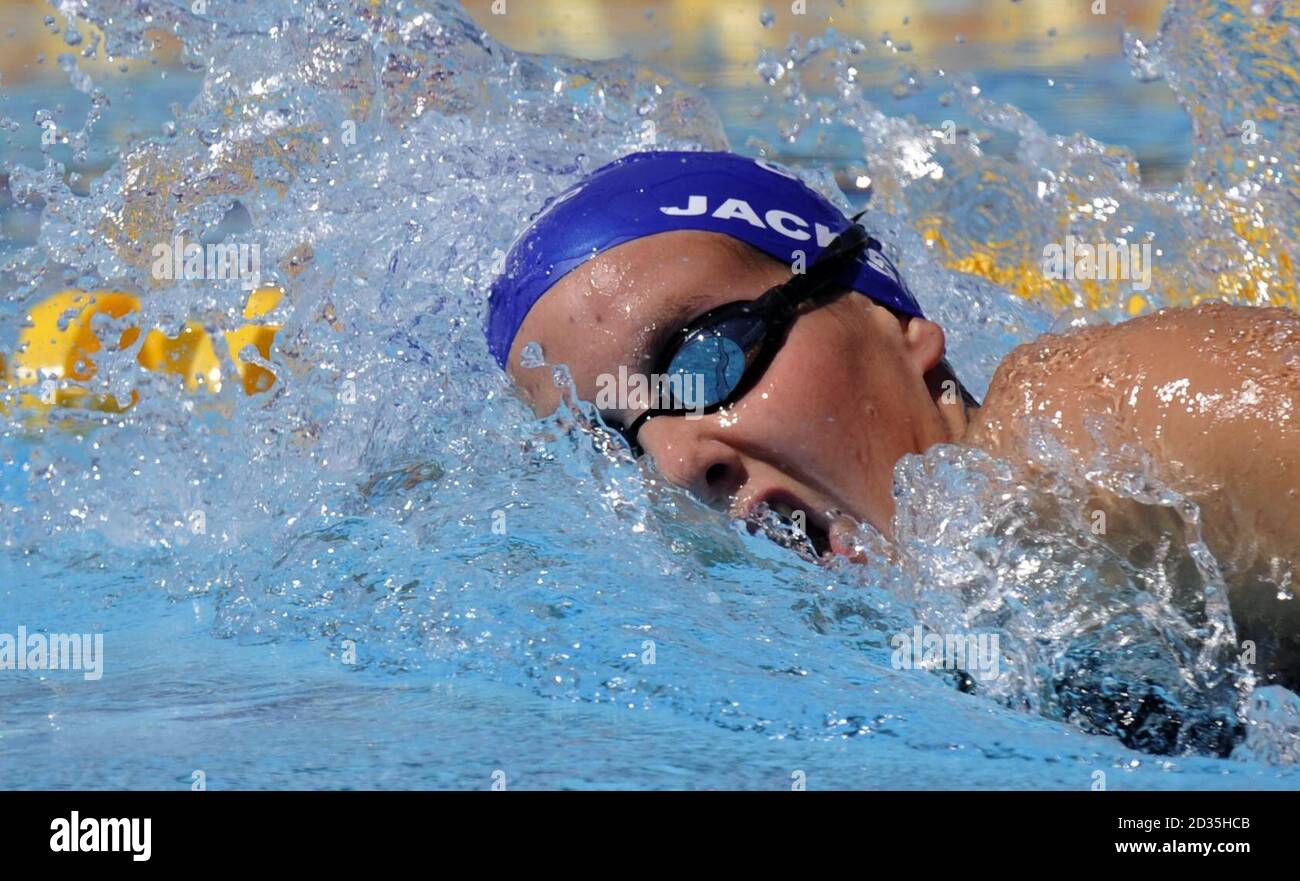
(812, 369)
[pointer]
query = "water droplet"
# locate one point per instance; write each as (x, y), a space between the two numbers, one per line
(532, 357)
(1075, 318)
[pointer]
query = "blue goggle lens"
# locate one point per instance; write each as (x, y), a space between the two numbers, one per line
(718, 354)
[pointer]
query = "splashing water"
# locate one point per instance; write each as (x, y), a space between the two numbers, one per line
(370, 567)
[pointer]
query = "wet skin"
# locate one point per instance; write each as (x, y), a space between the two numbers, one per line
(1209, 393)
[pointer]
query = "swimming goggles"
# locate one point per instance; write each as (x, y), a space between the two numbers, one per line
(731, 346)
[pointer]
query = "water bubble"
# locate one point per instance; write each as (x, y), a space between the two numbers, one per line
(1076, 318)
(1144, 62)
(606, 277)
(81, 81)
(531, 356)
(771, 70)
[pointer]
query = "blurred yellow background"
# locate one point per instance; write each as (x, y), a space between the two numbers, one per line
(711, 41)
(714, 43)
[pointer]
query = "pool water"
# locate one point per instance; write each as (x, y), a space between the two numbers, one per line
(382, 572)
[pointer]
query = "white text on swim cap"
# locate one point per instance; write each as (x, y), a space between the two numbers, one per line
(787, 223)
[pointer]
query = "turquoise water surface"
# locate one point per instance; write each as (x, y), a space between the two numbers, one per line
(383, 573)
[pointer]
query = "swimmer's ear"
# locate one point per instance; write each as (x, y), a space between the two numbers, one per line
(923, 342)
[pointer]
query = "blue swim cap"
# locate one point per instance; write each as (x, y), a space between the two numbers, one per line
(648, 193)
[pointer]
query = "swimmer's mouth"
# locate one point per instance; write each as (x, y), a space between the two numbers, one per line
(792, 526)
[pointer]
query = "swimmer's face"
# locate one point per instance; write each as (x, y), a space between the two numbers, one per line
(842, 401)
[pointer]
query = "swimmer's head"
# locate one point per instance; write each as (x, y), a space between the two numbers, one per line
(640, 195)
(825, 397)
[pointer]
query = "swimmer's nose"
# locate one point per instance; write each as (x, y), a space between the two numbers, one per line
(721, 481)
(712, 471)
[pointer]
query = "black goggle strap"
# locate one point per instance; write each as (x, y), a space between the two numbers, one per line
(823, 271)
(630, 432)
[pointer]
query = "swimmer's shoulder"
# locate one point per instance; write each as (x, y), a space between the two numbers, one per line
(1208, 396)
(1133, 371)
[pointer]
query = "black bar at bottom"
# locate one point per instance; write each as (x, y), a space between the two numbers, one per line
(337, 830)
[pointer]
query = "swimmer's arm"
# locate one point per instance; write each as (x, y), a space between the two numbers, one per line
(1205, 395)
